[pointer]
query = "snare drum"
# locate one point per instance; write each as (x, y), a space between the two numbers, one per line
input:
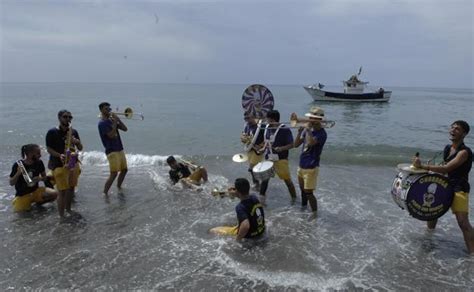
(425, 196)
(263, 171)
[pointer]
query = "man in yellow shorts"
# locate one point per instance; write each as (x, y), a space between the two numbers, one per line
(252, 137)
(458, 163)
(278, 140)
(26, 181)
(63, 162)
(181, 172)
(109, 126)
(313, 137)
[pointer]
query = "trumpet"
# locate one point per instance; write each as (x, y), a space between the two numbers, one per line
(296, 123)
(25, 174)
(128, 114)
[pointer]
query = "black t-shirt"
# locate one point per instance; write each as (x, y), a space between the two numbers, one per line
(33, 170)
(252, 210)
(458, 178)
(56, 139)
(181, 172)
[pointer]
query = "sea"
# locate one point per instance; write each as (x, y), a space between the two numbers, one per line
(155, 235)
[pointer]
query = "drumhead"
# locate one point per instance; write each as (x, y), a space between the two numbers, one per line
(429, 197)
(262, 166)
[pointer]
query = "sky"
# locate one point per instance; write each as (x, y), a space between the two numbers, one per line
(419, 43)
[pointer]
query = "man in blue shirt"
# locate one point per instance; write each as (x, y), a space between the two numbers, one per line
(249, 211)
(252, 137)
(109, 126)
(313, 137)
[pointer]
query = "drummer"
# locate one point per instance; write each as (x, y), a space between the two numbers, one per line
(278, 141)
(458, 163)
(252, 137)
(181, 172)
(312, 136)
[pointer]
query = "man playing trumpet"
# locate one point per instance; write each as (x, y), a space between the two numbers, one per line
(25, 175)
(252, 137)
(109, 126)
(313, 137)
(181, 172)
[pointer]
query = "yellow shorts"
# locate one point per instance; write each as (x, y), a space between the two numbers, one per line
(23, 203)
(309, 177)
(117, 161)
(282, 169)
(254, 158)
(196, 176)
(460, 202)
(62, 179)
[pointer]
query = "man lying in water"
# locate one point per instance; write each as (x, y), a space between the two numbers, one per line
(181, 172)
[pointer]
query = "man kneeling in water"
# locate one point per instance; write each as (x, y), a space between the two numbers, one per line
(30, 192)
(181, 172)
(249, 211)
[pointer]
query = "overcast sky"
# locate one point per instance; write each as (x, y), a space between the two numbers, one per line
(398, 43)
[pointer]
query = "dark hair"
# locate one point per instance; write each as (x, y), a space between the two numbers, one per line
(274, 115)
(103, 104)
(27, 149)
(463, 124)
(62, 112)
(242, 185)
(170, 159)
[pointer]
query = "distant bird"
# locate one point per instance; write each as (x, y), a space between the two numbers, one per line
(157, 19)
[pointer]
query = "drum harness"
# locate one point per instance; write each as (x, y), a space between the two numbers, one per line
(254, 138)
(270, 141)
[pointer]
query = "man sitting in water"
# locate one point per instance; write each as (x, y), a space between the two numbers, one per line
(249, 211)
(181, 172)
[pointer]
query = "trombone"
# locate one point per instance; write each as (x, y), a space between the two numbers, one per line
(129, 114)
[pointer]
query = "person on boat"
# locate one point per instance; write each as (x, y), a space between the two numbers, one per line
(181, 172)
(109, 126)
(252, 137)
(63, 144)
(278, 140)
(313, 137)
(28, 191)
(458, 163)
(249, 211)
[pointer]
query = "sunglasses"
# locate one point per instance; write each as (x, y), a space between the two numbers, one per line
(67, 117)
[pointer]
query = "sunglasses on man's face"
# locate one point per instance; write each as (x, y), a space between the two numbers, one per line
(67, 117)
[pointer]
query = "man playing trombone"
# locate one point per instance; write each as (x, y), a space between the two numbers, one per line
(252, 137)
(109, 126)
(313, 137)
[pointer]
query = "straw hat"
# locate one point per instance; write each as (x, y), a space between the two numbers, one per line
(315, 113)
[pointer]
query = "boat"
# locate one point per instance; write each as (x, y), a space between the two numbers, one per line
(353, 91)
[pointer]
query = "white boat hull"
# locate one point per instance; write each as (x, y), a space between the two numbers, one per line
(322, 95)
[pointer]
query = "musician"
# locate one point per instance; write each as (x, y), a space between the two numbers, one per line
(313, 137)
(249, 211)
(65, 176)
(109, 126)
(181, 172)
(27, 194)
(458, 163)
(252, 136)
(278, 142)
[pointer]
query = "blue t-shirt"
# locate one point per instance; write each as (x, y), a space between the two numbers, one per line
(251, 129)
(283, 138)
(252, 210)
(110, 144)
(310, 155)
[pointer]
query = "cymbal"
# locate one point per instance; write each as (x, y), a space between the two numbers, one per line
(240, 157)
(408, 167)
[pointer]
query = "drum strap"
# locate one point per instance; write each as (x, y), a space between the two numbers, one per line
(269, 140)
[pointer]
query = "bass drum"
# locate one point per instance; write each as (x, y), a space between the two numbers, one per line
(257, 100)
(425, 196)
